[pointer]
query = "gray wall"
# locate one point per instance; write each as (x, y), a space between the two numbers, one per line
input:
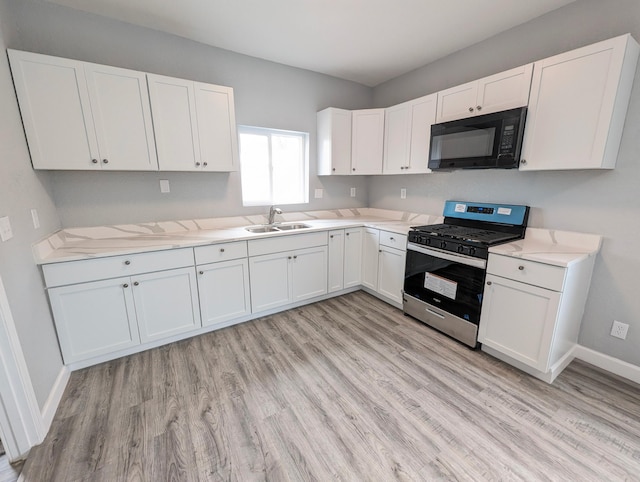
(22, 189)
(266, 94)
(603, 202)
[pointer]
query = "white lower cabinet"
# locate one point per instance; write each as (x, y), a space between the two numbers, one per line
(531, 312)
(353, 257)
(282, 278)
(384, 256)
(336, 260)
(223, 282)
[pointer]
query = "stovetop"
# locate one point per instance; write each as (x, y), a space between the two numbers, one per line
(463, 233)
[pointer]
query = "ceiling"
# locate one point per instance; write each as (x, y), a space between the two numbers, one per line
(366, 41)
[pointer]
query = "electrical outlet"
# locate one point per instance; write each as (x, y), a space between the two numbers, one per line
(403, 193)
(353, 192)
(619, 330)
(5, 229)
(319, 193)
(164, 186)
(35, 218)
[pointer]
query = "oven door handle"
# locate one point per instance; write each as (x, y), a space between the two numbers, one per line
(456, 258)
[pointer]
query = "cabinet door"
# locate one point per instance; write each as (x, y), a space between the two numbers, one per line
(457, 102)
(175, 123)
(352, 257)
(309, 273)
(334, 141)
(423, 116)
(397, 138)
(166, 303)
(577, 107)
(391, 273)
(370, 247)
(216, 127)
(224, 291)
(95, 318)
(122, 118)
(519, 320)
(270, 286)
(336, 260)
(56, 112)
(367, 141)
(504, 91)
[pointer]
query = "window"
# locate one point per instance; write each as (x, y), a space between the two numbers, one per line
(274, 166)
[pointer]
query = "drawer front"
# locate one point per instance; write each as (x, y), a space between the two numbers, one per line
(280, 244)
(530, 272)
(393, 240)
(220, 252)
(72, 272)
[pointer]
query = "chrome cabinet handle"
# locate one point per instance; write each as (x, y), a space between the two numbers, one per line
(333, 169)
(201, 272)
(127, 262)
(295, 257)
(353, 169)
(347, 234)
(470, 109)
(331, 236)
(489, 283)
(521, 268)
(126, 285)
(523, 161)
(205, 164)
(95, 161)
(135, 283)
(197, 164)
(479, 107)
(392, 239)
(222, 250)
(288, 257)
(105, 161)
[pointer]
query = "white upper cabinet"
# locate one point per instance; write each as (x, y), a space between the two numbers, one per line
(194, 125)
(122, 118)
(503, 91)
(334, 141)
(578, 105)
(407, 134)
(367, 137)
(83, 116)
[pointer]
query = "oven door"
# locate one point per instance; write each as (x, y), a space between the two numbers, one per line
(450, 282)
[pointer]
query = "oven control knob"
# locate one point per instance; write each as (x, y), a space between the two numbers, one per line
(443, 244)
(460, 249)
(472, 251)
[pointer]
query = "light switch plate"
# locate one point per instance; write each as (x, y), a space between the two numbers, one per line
(319, 193)
(353, 192)
(5, 229)
(403, 193)
(164, 186)
(35, 218)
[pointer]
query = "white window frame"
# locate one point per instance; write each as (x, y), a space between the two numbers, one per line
(265, 131)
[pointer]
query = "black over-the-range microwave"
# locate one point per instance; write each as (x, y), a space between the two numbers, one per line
(479, 142)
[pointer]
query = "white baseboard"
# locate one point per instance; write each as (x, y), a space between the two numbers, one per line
(55, 395)
(608, 363)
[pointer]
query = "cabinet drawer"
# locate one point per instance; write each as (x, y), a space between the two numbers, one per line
(71, 272)
(393, 240)
(279, 244)
(220, 252)
(530, 272)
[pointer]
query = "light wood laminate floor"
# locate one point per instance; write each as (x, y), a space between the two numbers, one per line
(347, 389)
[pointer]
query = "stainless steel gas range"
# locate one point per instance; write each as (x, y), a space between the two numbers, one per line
(446, 264)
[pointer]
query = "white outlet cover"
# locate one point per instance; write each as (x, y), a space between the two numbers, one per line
(353, 192)
(5, 229)
(164, 186)
(319, 193)
(403, 193)
(619, 330)
(35, 218)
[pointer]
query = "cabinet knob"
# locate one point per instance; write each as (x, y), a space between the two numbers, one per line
(392, 238)
(222, 250)
(126, 285)
(347, 234)
(333, 169)
(353, 169)
(470, 109)
(201, 272)
(135, 283)
(197, 164)
(379, 251)
(521, 268)
(205, 163)
(407, 167)
(105, 161)
(95, 161)
(401, 167)
(523, 161)
(288, 257)
(489, 283)
(479, 107)
(127, 262)
(295, 257)
(331, 236)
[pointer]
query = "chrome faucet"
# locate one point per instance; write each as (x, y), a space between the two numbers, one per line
(272, 213)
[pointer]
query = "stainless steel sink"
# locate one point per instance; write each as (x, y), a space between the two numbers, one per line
(274, 228)
(290, 226)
